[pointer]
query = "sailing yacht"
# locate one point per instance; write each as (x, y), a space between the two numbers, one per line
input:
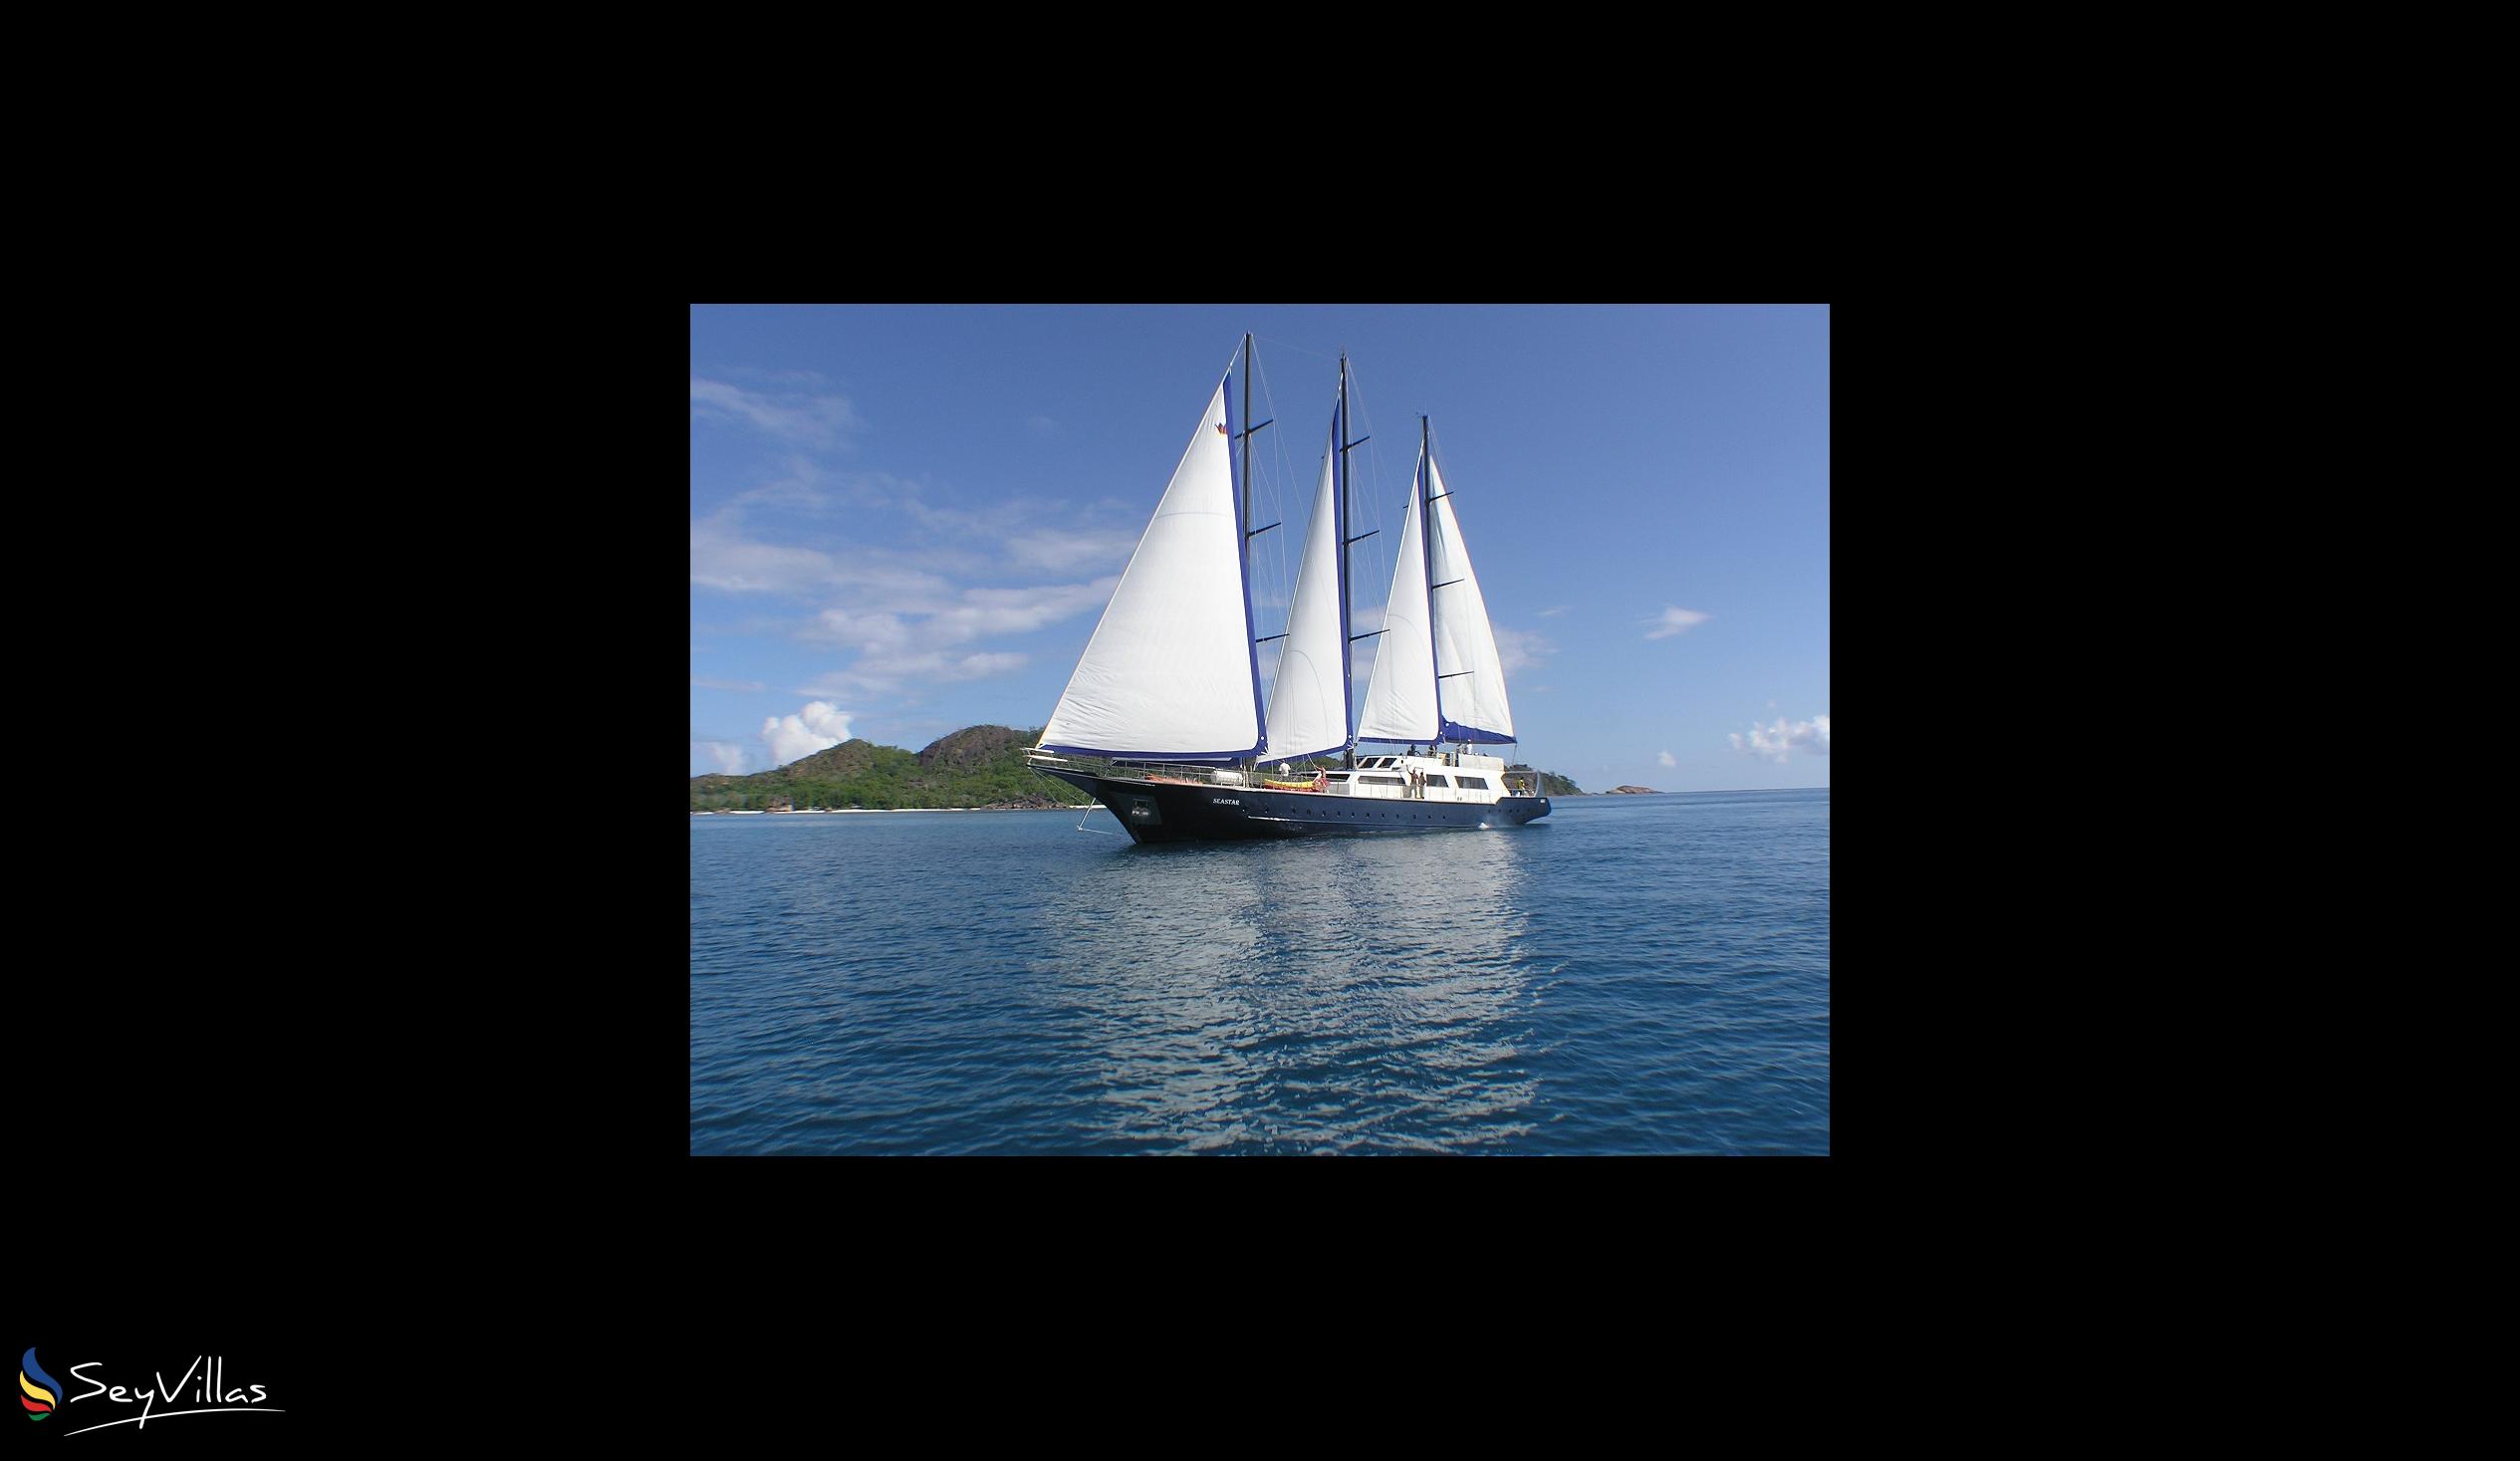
(1168, 689)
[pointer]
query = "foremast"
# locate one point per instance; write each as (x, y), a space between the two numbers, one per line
(1346, 640)
(1251, 646)
(1158, 680)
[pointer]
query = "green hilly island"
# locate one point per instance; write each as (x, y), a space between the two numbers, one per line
(977, 766)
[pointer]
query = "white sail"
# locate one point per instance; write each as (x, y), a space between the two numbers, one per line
(1471, 706)
(1399, 702)
(1308, 706)
(1170, 671)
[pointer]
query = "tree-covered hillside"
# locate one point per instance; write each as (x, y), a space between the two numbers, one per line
(979, 766)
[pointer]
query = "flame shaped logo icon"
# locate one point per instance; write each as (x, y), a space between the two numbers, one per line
(41, 1389)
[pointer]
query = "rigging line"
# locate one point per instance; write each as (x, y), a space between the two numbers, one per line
(1278, 474)
(1373, 470)
(1280, 582)
(1287, 497)
(1379, 568)
(1253, 472)
(1299, 350)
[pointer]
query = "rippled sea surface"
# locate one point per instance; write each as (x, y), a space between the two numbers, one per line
(1629, 974)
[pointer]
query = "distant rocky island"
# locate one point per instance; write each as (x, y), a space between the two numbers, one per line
(980, 767)
(1631, 792)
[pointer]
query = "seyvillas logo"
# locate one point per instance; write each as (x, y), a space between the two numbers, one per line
(41, 1389)
(204, 1382)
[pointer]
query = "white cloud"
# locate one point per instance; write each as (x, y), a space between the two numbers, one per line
(873, 631)
(1672, 622)
(818, 727)
(723, 558)
(1056, 551)
(951, 521)
(720, 559)
(1666, 758)
(801, 487)
(1777, 740)
(885, 673)
(731, 756)
(1553, 612)
(926, 646)
(1002, 530)
(889, 591)
(908, 625)
(784, 377)
(1017, 611)
(1520, 649)
(798, 417)
(976, 666)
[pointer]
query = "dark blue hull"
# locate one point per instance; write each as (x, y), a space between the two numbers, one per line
(1165, 812)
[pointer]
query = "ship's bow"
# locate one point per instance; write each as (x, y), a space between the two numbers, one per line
(1119, 798)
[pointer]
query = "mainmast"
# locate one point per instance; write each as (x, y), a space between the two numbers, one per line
(1249, 532)
(1256, 707)
(1347, 642)
(1246, 454)
(1426, 527)
(1312, 710)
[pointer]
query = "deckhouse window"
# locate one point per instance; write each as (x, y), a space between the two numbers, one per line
(1433, 780)
(1476, 781)
(1380, 781)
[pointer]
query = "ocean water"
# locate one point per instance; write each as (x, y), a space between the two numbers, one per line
(1627, 975)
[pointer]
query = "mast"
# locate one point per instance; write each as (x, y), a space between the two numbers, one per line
(1312, 708)
(1399, 702)
(1427, 526)
(1246, 550)
(1479, 712)
(1246, 454)
(1240, 430)
(1338, 494)
(1154, 682)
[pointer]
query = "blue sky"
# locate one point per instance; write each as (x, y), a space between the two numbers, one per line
(907, 519)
